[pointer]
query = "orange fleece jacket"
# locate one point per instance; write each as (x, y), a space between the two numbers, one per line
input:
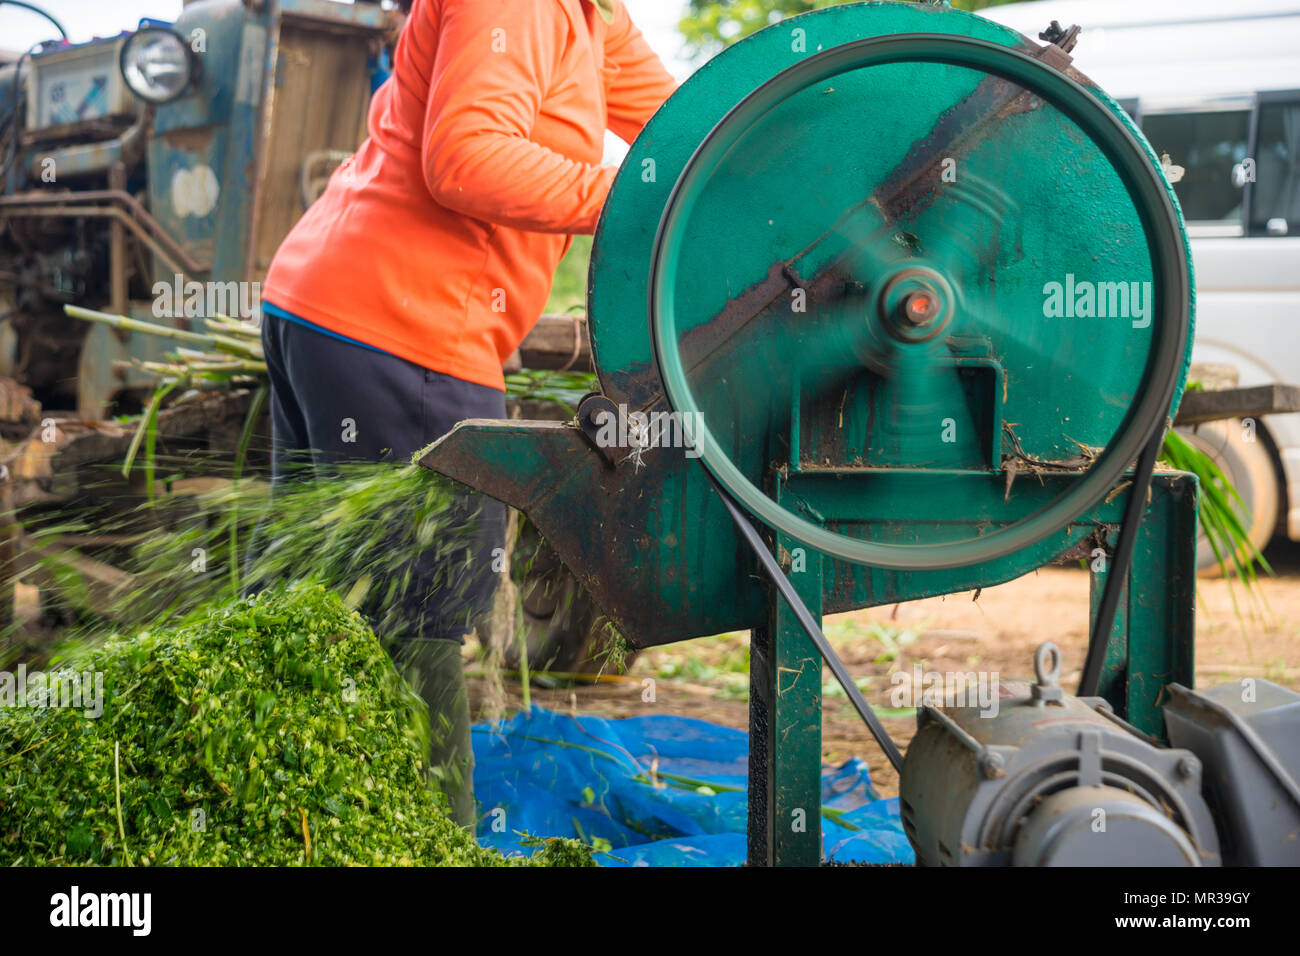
(437, 241)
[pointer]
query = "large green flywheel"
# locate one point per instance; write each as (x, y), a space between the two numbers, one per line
(989, 276)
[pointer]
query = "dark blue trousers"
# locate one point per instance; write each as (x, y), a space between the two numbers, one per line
(335, 401)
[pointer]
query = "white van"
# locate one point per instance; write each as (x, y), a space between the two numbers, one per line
(1216, 85)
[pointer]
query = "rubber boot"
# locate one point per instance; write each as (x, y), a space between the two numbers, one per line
(433, 669)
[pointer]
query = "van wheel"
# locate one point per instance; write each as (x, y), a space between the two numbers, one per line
(1249, 467)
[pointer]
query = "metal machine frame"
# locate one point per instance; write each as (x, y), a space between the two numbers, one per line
(662, 544)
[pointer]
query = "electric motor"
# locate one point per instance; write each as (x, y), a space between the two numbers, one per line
(1040, 778)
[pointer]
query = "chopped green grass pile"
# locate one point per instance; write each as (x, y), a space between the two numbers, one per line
(272, 730)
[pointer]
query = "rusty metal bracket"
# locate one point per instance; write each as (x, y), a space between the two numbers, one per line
(119, 205)
(1063, 37)
(1060, 41)
(590, 406)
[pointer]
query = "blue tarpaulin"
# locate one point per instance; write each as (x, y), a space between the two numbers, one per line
(657, 791)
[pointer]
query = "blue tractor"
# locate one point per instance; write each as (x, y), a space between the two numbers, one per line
(141, 167)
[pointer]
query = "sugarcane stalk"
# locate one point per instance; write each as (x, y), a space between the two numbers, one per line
(226, 367)
(234, 326)
(128, 324)
(156, 368)
(194, 355)
(223, 343)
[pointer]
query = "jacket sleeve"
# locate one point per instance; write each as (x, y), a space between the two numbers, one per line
(493, 65)
(639, 84)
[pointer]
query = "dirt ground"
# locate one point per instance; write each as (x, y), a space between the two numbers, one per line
(998, 633)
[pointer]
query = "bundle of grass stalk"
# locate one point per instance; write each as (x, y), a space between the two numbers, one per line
(229, 354)
(354, 529)
(264, 731)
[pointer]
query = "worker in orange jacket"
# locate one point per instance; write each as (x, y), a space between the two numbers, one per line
(392, 305)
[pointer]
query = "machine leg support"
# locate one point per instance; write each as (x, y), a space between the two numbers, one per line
(785, 726)
(1152, 641)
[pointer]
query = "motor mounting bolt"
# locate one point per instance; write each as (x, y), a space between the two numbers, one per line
(1187, 767)
(992, 765)
(1047, 669)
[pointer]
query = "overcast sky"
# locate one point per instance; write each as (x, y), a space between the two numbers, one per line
(85, 19)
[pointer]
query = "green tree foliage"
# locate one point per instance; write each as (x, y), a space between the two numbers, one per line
(569, 288)
(710, 25)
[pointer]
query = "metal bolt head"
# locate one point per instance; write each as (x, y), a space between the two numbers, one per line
(992, 765)
(915, 304)
(1187, 767)
(920, 307)
(1047, 669)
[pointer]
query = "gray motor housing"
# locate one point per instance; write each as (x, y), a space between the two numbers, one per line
(1050, 780)
(1247, 736)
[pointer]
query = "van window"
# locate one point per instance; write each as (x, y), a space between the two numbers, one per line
(1276, 192)
(1207, 145)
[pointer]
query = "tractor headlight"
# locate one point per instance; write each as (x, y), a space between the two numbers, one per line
(156, 64)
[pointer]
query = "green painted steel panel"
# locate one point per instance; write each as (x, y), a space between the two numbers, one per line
(835, 411)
